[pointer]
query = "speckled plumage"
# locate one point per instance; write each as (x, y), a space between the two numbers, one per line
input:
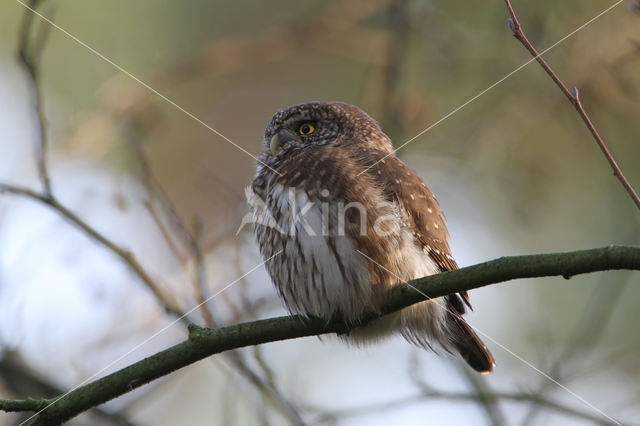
(346, 237)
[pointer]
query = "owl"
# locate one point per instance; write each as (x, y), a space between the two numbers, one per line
(340, 221)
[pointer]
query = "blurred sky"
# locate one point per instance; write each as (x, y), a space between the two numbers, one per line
(516, 172)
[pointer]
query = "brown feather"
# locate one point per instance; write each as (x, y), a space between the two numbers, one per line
(429, 224)
(407, 188)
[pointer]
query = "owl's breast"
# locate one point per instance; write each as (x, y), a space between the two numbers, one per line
(317, 270)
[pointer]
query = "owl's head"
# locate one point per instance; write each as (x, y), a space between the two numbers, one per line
(322, 123)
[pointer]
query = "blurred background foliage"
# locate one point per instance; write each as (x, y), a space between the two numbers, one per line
(515, 170)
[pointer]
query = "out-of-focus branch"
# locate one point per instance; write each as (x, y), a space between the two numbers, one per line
(154, 192)
(593, 319)
(427, 393)
(485, 396)
(400, 28)
(125, 255)
(204, 342)
(541, 402)
(191, 241)
(203, 294)
(29, 53)
(21, 381)
(574, 98)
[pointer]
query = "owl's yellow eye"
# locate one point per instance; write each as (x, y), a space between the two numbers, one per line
(306, 129)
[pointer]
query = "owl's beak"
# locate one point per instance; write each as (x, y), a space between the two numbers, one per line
(274, 144)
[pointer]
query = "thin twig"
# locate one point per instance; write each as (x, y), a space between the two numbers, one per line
(203, 295)
(155, 192)
(574, 98)
(593, 320)
(125, 255)
(485, 396)
(192, 240)
(267, 390)
(588, 331)
(330, 417)
(264, 366)
(21, 381)
(29, 55)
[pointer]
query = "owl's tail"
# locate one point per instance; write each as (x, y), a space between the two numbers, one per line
(471, 348)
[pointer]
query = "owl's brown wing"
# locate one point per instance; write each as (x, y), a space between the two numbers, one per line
(405, 187)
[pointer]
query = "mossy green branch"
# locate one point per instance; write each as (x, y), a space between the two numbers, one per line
(203, 342)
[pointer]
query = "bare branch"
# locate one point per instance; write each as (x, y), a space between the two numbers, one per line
(125, 255)
(204, 342)
(574, 98)
(21, 381)
(485, 396)
(29, 55)
(589, 328)
(428, 393)
(203, 295)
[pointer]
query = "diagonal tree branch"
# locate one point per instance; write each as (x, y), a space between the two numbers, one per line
(204, 342)
(124, 254)
(574, 98)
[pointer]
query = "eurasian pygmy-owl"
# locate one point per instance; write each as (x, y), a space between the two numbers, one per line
(342, 220)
